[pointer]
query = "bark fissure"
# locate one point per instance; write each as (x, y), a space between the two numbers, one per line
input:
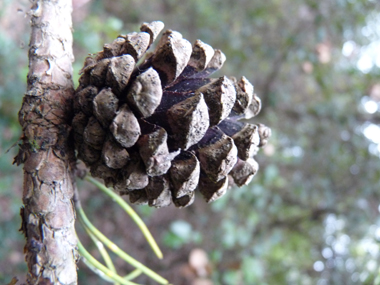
(48, 214)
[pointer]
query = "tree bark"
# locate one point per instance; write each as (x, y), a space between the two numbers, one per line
(48, 214)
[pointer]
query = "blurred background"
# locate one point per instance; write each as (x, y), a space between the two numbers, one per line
(311, 214)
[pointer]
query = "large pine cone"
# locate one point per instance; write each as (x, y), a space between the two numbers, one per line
(160, 129)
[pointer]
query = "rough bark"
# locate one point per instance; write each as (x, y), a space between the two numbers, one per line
(48, 214)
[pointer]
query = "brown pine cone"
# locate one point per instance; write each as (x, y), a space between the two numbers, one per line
(155, 127)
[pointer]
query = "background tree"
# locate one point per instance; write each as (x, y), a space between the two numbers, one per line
(311, 213)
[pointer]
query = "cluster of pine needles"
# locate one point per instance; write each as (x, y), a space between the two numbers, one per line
(108, 271)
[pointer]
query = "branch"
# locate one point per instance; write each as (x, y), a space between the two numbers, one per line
(48, 214)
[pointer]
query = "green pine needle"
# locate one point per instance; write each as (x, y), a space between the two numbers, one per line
(109, 274)
(131, 213)
(103, 252)
(87, 224)
(135, 273)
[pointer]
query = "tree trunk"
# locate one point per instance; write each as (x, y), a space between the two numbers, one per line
(48, 214)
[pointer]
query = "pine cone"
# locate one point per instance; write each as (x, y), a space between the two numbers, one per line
(155, 127)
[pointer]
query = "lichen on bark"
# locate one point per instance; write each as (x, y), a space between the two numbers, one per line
(48, 214)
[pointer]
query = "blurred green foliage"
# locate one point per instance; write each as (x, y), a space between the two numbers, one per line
(179, 233)
(311, 215)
